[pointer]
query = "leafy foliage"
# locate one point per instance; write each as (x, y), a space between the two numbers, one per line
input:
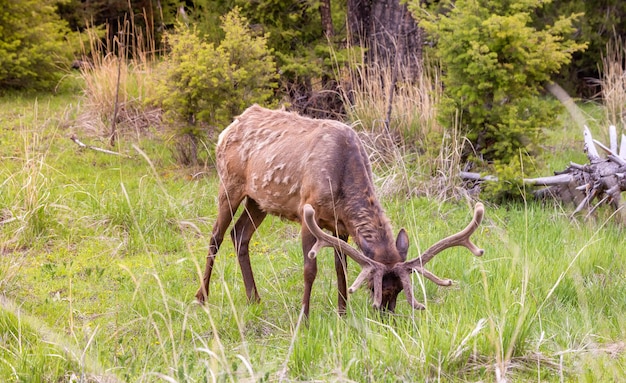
(33, 48)
(205, 16)
(206, 85)
(495, 62)
(600, 22)
(307, 56)
(294, 29)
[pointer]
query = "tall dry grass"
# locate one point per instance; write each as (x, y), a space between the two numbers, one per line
(390, 100)
(613, 82)
(27, 203)
(117, 73)
(396, 111)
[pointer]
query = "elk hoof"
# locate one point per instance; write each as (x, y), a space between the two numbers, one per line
(201, 296)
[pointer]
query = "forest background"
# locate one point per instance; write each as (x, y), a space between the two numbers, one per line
(489, 60)
(109, 111)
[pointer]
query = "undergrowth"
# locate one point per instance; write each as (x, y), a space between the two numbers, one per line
(104, 289)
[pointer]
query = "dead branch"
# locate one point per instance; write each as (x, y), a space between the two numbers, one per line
(84, 146)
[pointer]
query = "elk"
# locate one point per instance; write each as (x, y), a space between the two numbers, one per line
(317, 173)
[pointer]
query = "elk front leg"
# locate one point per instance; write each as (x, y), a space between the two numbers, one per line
(245, 226)
(226, 209)
(310, 268)
(217, 237)
(342, 284)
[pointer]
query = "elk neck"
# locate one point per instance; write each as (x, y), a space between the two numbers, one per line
(368, 224)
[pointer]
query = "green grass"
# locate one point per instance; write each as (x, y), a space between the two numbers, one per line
(100, 258)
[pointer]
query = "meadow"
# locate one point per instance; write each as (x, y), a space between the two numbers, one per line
(101, 256)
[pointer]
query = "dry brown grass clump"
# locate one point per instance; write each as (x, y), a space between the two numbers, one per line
(390, 100)
(410, 151)
(117, 75)
(399, 171)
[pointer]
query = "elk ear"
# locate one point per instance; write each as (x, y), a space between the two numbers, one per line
(402, 243)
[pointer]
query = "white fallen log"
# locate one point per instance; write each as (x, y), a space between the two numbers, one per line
(622, 148)
(613, 138)
(602, 179)
(471, 176)
(559, 179)
(590, 148)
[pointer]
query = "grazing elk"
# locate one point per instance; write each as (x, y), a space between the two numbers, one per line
(315, 172)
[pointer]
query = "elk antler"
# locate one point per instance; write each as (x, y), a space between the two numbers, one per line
(369, 267)
(462, 238)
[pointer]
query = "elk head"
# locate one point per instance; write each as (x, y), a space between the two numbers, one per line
(386, 281)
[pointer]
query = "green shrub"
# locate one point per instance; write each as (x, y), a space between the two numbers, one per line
(295, 35)
(496, 62)
(33, 46)
(204, 86)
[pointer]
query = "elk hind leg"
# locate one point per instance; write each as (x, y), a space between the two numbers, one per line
(227, 206)
(245, 226)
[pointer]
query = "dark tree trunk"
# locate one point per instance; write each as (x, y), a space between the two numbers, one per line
(325, 102)
(359, 12)
(387, 30)
(327, 20)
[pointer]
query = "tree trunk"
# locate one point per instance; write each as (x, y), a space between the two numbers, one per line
(327, 20)
(387, 30)
(359, 12)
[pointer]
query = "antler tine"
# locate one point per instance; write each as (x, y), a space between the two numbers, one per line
(327, 240)
(403, 272)
(369, 267)
(461, 238)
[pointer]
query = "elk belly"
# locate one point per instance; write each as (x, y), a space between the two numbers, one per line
(275, 190)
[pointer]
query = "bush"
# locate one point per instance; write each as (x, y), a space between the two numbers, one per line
(204, 86)
(33, 46)
(496, 62)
